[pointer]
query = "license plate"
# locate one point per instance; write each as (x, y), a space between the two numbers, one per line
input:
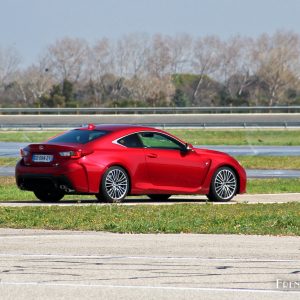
(42, 158)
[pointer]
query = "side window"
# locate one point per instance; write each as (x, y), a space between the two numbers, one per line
(160, 141)
(131, 141)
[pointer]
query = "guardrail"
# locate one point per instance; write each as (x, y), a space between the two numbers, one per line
(153, 110)
(229, 125)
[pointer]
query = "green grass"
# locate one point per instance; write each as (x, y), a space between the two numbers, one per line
(276, 137)
(261, 219)
(269, 219)
(8, 161)
(273, 185)
(10, 192)
(270, 162)
(26, 136)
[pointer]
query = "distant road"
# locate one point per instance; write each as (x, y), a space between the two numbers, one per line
(11, 149)
(207, 120)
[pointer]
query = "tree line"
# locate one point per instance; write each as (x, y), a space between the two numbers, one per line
(158, 70)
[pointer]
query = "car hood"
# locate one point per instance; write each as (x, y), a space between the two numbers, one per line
(210, 152)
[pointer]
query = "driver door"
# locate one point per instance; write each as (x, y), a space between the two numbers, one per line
(170, 165)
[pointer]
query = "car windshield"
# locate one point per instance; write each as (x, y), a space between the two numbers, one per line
(78, 136)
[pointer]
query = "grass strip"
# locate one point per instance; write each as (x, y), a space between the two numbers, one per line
(8, 161)
(273, 185)
(260, 219)
(26, 136)
(10, 192)
(270, 162)
(276, 137)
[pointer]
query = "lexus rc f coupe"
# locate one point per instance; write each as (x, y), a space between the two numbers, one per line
(113, 161)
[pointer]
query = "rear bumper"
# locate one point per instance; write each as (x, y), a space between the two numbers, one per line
(31, 182)
(69, 177)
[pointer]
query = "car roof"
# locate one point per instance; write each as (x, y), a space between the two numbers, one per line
(118, 127)
(125, 129)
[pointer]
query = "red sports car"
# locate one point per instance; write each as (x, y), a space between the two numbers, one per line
(113, 161)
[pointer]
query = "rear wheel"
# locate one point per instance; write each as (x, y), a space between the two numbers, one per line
(99, 197)
(158, 197)
(49, 195)
(114, 185)
(223, 185)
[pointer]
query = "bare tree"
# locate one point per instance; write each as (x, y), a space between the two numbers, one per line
(36, 80)
(131, 55)
(180, 52)
(207, 58)
(159, 60)
(137, 69)
(151, 90)
(9, 64)
(100, 59)
(146, 65)
(121, 55)
(100, 64)
(277, 58)
(236, 69)
(68, 58)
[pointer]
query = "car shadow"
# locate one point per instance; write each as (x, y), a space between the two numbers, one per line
(128, 200)
(170, 200)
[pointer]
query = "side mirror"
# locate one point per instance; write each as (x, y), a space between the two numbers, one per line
(188, 147)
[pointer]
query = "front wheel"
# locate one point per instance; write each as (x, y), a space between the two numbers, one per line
(49, 195)
(114, 185)
(223, 185)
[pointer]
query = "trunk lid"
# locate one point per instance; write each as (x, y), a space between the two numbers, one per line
(49, 154)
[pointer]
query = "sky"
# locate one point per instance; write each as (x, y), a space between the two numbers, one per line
(32, 25)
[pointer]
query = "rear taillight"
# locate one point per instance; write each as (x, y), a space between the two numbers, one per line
(71, 154)
(24, 153)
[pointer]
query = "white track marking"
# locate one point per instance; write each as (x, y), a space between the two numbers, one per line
(146, 257)
(145, 287)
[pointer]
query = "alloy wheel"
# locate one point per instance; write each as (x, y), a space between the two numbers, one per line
(116, 184)
(225, 183)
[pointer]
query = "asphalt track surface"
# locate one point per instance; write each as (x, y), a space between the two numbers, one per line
(38, 264)
(283, 119)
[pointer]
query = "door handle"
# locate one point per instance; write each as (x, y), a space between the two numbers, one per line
(152, 155)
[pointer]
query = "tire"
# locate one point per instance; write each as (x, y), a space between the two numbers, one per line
(49, 195)
(224, 185)
(99, 197)
(114, 185)
(158, 197)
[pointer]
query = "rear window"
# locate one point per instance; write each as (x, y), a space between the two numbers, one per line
(77, 136)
